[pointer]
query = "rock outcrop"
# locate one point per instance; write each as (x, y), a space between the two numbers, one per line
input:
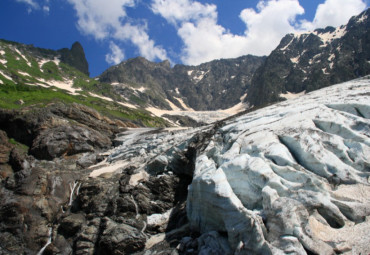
(75, 57)
(313, 60)
(218, 84)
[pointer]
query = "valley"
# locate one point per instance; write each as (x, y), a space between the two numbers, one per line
(252, 155)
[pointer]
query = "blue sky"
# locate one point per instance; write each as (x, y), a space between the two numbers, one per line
(183, 31)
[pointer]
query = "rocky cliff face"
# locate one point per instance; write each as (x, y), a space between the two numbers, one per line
(215, 85)
(276, 180)
(309, 61)
(75, 57)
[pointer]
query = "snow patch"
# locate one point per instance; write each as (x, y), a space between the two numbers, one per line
(187, 108)
(6, 76)
(290, 95)
(44, 61)
(177, 91)
(295, 60)
(65, 85)
(24, 74)
(3, 61)
(127, 105)
(141, 89)
(2, 52)
(329, 37)
(286, 46)
(324, 70)
(362, 18)
(331, 57)
(25, 59)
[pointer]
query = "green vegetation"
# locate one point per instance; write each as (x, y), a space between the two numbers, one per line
(33, 96)
(23, 90)
(22, 147)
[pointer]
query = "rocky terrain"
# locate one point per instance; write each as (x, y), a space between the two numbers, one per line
(86, 167)
(277, 180)
(313, 60)
(210, 86)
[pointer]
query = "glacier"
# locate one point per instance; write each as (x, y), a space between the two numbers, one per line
(290, 178)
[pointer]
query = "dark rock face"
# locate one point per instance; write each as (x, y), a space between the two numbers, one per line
(48, 200)
(75, 57)
(59, 129)
(314, 60)
(215, 85)
(67, 140)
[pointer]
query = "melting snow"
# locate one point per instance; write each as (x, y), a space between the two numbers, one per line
(3, 61)
(362, 19)
(295, 60)
(286, 46)
(25, 59)
(290, 95)
(24, 74)
(6, 76)
(65, 85)
(187, 108)
(328, 37)
(44, 61)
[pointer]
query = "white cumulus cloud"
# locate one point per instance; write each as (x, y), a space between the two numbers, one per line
(116, 55)
(205, 40)
(334, 13)
(30, 3)
(108, 20)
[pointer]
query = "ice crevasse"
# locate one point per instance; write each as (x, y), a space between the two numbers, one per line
(289, 178)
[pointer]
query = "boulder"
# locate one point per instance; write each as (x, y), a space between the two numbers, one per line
(120, 239)
(67, 140)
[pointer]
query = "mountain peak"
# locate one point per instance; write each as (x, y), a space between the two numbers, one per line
(75, 57)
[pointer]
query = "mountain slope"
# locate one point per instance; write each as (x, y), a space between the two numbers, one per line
(309, 61)
(35, 77)
(210, 86)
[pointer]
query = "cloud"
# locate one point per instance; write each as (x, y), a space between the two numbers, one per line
(116, 55)
(179, 11)
(334, 13)
(30, 3)
(46, 9)
(205, 40)
(104, 20)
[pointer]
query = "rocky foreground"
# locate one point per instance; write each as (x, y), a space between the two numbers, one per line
(290, 178)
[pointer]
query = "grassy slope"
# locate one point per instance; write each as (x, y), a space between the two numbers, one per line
(19, 88)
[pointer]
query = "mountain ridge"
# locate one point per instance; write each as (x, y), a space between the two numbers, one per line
(312, 60)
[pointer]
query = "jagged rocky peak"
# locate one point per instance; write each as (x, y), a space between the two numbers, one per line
(312, 60)
(75, 57)
(218, 84)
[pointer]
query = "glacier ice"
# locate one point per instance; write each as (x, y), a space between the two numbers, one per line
(274, 179)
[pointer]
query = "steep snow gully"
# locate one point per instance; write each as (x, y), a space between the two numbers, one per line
(291, 178)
